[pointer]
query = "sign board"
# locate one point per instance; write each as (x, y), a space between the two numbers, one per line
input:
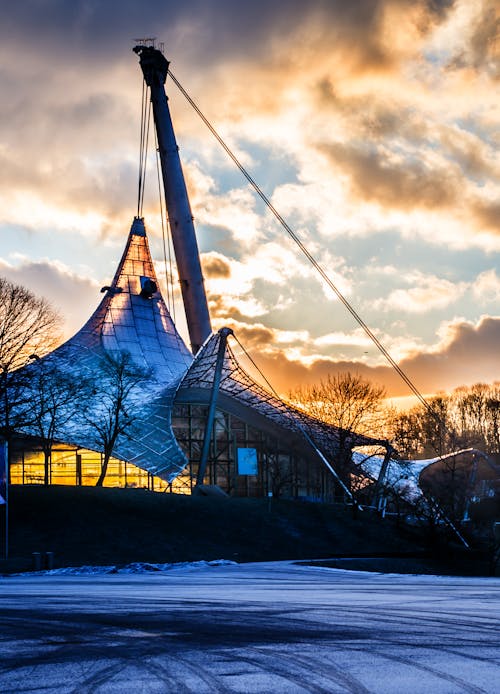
(247, 461)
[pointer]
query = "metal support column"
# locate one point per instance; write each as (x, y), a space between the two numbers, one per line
(224, 334)
(155, 69)
(378, 495)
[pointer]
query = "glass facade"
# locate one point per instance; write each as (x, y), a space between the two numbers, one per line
(282, 469)
(76, 466)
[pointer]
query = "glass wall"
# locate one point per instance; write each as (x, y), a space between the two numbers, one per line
(75, 466)
(281, 468)
(243, 461)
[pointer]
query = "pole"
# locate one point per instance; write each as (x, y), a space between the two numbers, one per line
(379, 485)
(223, 333)
(4, 489)
(6, 501)
(4, 464)
(155, 69)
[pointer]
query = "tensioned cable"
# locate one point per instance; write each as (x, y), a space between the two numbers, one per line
(145, 155)
(305, 251)
(322, 273)
(308, 438)
(168, 265)
(143, 146)
(273, 391)
(302, 429)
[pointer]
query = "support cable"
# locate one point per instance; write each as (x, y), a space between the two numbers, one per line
(269, 385)
(305, 251)
(164, 217)
(303, 431)
(319, 269)
(141, 149)
(145, 157)
(143, 146)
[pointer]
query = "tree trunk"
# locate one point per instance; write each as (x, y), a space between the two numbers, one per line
(104, 470)
(46, 467)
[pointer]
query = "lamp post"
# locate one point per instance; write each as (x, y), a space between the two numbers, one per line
(4, 460)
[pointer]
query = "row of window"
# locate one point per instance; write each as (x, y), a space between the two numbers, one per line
(278, 469)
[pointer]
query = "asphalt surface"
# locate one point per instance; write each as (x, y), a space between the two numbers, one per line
(273, 627)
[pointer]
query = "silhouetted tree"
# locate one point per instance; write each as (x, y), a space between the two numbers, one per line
(28, 325)
(56, 396)
(111, 411)
(350, 403)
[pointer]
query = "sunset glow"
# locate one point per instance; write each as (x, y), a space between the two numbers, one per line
(373, 127)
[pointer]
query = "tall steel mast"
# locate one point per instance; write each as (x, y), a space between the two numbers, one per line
(155, 69)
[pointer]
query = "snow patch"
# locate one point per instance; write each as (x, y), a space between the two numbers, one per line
(137, 567)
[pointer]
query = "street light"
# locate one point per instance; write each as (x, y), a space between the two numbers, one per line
(4, 461)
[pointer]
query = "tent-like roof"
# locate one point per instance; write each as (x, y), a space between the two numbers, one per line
(132, 317)
(240, 394)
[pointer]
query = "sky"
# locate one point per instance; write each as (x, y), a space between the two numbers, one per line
(373, 127)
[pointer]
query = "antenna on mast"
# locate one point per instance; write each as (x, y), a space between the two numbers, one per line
(148, 41)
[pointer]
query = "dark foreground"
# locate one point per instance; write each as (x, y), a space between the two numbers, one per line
(263, 628)
(85, 525)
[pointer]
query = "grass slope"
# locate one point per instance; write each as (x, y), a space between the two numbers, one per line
(88, 525)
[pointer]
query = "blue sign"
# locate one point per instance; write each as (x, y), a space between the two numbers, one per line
(247, 461)
(3, 472)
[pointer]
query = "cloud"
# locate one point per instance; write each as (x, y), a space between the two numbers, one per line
(368, 123)
(377, 175)
(431, 293)
(72, 295)
(215, 265)
(475, 157)
(467, 354)
(487, 286)
(481, 44)
(368, 33)
(488, 215)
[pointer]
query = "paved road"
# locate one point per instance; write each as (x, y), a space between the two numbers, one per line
(250, 628)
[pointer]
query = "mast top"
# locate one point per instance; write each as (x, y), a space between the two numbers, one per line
(153, 63)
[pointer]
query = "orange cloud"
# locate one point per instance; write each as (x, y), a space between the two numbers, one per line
(469, 354)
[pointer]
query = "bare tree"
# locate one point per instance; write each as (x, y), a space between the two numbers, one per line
(279, 473)
(406, 433)
(348, 402)
(56, 394)
(467, 418)
(493, 415)
(28, 325)
(111, 412)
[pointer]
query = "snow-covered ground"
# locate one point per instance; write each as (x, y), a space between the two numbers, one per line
(137, 567)
(270, 627)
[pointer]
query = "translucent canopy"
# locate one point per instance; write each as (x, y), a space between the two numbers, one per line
(257, 403)
(131, 318)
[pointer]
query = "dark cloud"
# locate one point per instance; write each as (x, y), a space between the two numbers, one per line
(72, 295)
(70, 75)
(252, 336)
(213, 29)
(403, 185)
(215, 265)
(488, 215)
(481, 50)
